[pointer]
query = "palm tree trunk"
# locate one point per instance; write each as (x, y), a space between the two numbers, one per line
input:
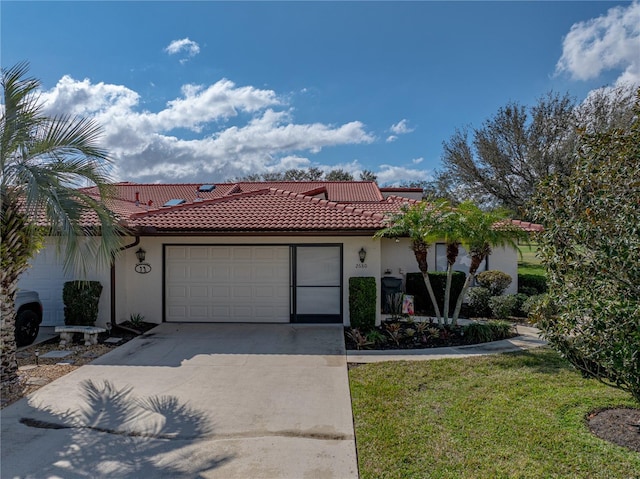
(427, 282)
(19, 242)
(463, 294)
(447, 294)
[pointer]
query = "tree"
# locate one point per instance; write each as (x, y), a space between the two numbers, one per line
(368, 175)
(590, 248)
(502, 162)
(479, 232)
(43, 161)
(417, 222)
(338, 175)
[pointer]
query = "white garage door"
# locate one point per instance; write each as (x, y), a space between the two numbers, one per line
(227, 283)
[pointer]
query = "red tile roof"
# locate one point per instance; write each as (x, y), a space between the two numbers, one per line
(312, 206)
(268, 210)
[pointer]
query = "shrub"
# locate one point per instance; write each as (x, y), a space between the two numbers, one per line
(81, 299)
(530, 304)
(495, 281)
(422, 303)
(503, 306)
(478, 300)
(485, 331)
(501, 329)
(527, 283)
(362, 302)
(520, 299)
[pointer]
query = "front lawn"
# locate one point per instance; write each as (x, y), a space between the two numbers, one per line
(508, 415)
(528, 262)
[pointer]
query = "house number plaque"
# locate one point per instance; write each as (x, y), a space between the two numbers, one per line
(143, 268)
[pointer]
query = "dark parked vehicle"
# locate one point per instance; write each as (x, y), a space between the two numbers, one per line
(28, 317)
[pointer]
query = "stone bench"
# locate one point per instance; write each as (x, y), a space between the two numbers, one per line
(90, 334)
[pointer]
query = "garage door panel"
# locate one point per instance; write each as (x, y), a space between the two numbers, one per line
(227, 283)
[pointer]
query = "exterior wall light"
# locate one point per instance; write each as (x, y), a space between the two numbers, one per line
(142, 267)
(362, 254)
(141, 255)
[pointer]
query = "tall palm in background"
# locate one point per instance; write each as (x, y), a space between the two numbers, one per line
(44, 160)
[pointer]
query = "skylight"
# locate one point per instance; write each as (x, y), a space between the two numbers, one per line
(175, 202)
(207, 188)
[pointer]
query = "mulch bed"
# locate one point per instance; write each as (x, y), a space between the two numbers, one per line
(620, 426)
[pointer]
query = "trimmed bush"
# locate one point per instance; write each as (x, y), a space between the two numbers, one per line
(422, 303)
(483, 332)
(530, 282)
(520, 299)
(362, 302)
(503, 306)
(81, 299)
(495, 281)
(478, 302)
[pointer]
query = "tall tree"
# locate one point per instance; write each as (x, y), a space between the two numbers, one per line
(338, 175)
(44, 159)
(502, 162)
(591, 249)
(368, 175)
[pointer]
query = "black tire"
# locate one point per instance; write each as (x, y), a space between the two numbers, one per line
(27, 327)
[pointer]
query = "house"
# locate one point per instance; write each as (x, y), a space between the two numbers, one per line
(244, 252)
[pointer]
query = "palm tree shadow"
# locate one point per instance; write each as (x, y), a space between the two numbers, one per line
(115, 434)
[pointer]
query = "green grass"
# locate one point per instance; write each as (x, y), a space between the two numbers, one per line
(528, 263)
(509, 415)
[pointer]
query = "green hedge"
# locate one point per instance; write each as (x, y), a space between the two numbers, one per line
(422, 303)
(362, 302)
(529, 282)
(81, 300)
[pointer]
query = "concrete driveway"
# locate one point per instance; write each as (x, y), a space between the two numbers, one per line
(194, 401)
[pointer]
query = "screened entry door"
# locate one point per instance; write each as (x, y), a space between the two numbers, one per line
(317, 284)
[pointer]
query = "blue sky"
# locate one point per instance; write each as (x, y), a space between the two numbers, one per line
(207, 91)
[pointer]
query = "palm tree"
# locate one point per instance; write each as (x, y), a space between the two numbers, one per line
(418, 221)
(44, 160)
(480, 232)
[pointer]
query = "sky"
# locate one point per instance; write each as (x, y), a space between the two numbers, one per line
(211, 91)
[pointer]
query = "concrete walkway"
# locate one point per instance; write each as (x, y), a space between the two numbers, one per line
(194, 401)
(528, 338)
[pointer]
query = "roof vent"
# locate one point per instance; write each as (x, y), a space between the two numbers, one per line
(175, 202)
(207, 188)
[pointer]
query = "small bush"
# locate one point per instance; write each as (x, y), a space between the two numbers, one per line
(529, 305)
(478, 301)
(530, 282)
(501, 329)
(422, 303)
(81, 299)
(495, 281)
(520, 299)
(527, 290)
(503, 306)
(486, 331)
(362, 303)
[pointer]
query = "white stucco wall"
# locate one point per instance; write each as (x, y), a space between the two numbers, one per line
(398, 258)
(142, 293)
(47, 276)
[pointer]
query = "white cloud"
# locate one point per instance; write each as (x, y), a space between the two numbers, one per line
(609, 42)
(145, 148)
(390, 175)
(185, 45)
(417, 161)
(400, 128)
